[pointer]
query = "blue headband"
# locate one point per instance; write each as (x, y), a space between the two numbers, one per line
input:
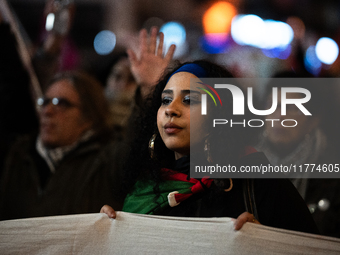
(195, 69)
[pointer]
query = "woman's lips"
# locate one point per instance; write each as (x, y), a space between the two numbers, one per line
(171, 128)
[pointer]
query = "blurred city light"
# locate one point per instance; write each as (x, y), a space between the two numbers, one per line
(247, 30)
(49, 21)
(217, 24)
(327, 50)
(217, 19)
(281, 53)
(104, 42)
(214, 43)
(174, 33)
(277, 35)
(269, 34)
(311, 61)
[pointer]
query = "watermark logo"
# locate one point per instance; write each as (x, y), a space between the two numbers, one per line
(204, 97)
(238, 99)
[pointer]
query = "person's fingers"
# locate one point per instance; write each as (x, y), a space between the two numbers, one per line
(153, 40)
(243, 218)
(143, 41)
(132, 57)
(160, 45)
(170, 52)
(109, 211)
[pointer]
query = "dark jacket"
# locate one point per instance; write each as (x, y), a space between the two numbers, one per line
(323, 199)
(278, 202)
(87, 178)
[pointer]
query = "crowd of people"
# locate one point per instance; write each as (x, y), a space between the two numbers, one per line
(128, 145)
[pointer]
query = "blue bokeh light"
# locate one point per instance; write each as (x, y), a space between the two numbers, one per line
(280, 53)
(104, 42)
(264, 34)
(247, 29)
(327, 50)
(174, 33)
(215, 43)
(311, 61)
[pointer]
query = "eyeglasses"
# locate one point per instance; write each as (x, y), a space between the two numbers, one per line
(58, 103)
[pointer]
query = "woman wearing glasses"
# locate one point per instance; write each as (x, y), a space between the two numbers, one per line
(70, 166)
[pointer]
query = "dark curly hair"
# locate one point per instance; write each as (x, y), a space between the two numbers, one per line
(226, 144)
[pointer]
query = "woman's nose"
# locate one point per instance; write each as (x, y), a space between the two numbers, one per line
(172, 110)
(47, 110)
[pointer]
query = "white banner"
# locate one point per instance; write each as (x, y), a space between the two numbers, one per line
(144, 234)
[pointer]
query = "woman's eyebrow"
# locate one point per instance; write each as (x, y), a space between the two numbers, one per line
(187, 91)
(167, 91)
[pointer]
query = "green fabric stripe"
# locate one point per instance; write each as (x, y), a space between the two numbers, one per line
(142, 198)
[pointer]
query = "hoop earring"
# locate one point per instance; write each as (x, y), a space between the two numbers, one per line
(207, 150)
(152, 146)
(230, 186)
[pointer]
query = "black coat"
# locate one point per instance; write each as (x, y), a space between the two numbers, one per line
(85, 179)
(278, 202)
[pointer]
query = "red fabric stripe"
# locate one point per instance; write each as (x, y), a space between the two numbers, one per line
(181, 197)
(171, 175)
(198, 186)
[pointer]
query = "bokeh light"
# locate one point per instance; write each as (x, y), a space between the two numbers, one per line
(280, 53)
(174, 33)
(214, 43)
(276, 35)
(252, 30)
(216, 25)
(247, 29)
(49, 21)
(104, 42)
(327, 50)
(217, 19)
(311, 61)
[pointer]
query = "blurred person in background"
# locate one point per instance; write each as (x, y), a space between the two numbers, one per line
(133, 75)
(70, 166)
(120, 90)
(305, 143)
(17, 110)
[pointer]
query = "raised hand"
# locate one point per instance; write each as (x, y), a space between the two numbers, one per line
(148, 66)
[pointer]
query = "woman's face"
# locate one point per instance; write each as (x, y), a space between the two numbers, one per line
(179, 101)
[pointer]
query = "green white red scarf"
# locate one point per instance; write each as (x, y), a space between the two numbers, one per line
(175, 188)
